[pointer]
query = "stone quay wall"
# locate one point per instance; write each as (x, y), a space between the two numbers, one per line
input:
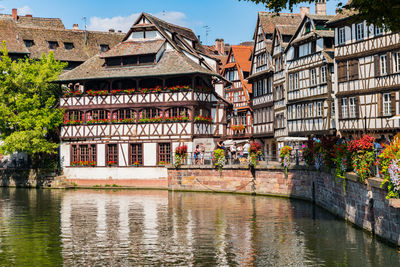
(363, 204)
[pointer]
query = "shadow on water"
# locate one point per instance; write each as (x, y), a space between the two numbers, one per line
(125, 228)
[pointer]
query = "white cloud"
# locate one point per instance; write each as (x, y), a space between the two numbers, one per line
(125, 23)
(24, 10)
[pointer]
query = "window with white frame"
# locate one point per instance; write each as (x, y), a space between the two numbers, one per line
(289, 110)
(319, 109)
(387, 104)
(383, 66)
(396, 62)
(352, 107)
(345, 113)
(323, 74)
(359, 31)
(298, 112)
(310, 110)
(291, 82)
(296, 81)
(342, 35)
(236, 97)
(378, 30)
(313, 75)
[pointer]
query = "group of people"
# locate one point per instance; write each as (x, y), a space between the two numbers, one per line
(235, 152)
(199, 154)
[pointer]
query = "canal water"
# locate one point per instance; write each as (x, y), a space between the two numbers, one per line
(128, 228)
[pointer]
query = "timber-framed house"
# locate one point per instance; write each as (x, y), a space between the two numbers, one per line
(367, 62)
(281, 38)
(309, 59)
(236, 70)
(261, 77)
(127, 110)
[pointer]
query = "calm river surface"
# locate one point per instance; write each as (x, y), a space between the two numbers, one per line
(128, 228)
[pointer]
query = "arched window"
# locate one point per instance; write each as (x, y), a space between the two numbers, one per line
(177, 111)
(73, 115)
(149, 113)
(123, 114)
(98, 114)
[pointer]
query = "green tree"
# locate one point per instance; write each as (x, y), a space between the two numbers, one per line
(384, 13)
(29, 116)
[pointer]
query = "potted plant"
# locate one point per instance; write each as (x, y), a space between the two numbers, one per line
(180, 155)
(255, 152)
(285, 157)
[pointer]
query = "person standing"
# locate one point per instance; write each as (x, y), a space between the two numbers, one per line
(234, 150)
(246, 149)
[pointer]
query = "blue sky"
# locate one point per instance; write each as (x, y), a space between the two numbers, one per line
(229, 19)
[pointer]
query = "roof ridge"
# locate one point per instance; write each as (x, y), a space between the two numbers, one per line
(178, 26)
(277, 13)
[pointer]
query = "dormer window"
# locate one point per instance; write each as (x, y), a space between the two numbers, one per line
(29, 43)
(69, 46)
(113, 61)
(104, 48)
(232, 59)
(360, 31)
(144, 35)
(308, 28)
(53, 44)
(135, 60)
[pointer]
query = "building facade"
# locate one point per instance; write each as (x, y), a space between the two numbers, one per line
(309, 56)
(262, 75)
(236, 70)
(367, 63)
(129, 108)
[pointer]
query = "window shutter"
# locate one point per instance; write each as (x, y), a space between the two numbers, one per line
(340, 71)
(376, 65)
(355, 69)
(357, 105)
(389, 62)
(345, 71)
(393, 102)
(379, 104)
(340, 108)
(350, 70)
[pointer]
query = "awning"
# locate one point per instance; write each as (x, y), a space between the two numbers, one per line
(292, 139)
(230, 142)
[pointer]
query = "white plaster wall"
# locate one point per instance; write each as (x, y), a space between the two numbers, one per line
(115, 173)
(219, 89)
(101, 155)
(123, 155)
(150, 154)
(65, 154)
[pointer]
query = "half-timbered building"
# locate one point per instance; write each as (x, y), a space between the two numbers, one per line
(367, 63)
(127, 110)
(309, 59)
(261, 76)
(281, 37)
(236, 70)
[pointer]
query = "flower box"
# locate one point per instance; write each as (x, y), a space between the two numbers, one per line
(202, 119)
(72, 122)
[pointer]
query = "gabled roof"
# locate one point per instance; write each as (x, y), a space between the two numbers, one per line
(269, 20)
(313, 33)
(171, 63)
(242, 63)
(130, 48)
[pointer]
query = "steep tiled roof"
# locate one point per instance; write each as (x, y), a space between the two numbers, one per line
(342, 15)
(43, 30)
(242, 55)
(80, 52)
(269, 20)
(135, 48)
(170, 63)
(9, 33)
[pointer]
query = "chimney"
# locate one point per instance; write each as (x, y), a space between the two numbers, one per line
(75, 27)
(111, 30)
(220, 46)
(119, 31)
(15, 14)
(28, 15)
(304, 10)
(320, 7)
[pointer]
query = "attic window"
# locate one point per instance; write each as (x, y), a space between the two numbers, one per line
(69, 46)
(232, 59)
(113, 61)
(286, 38)
(268, 36)
(104, 47)
(29, 43)
(308, 28)
(53, 44)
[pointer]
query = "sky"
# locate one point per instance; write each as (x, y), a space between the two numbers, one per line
(232, 20)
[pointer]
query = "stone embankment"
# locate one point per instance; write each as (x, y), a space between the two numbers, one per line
(363, 204)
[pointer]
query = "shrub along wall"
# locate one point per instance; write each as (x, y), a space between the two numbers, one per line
(363, 204)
